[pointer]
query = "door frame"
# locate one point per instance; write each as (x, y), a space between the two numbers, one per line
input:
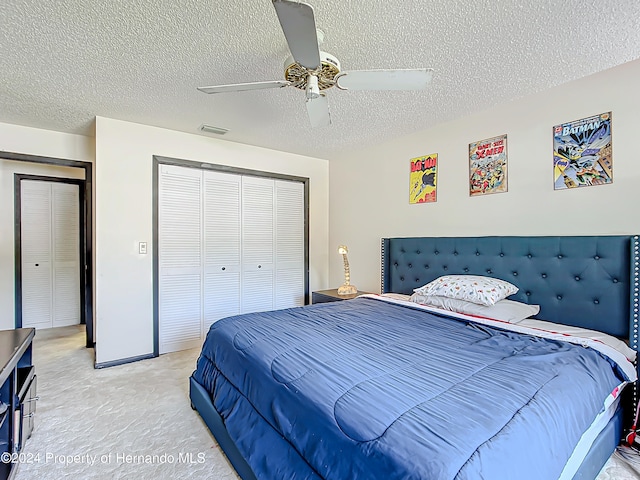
(86, 205)
(160, 160)
(17, 212)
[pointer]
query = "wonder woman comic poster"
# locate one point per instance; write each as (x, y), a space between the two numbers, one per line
(488, 166)
(422, 179)
(582, 153)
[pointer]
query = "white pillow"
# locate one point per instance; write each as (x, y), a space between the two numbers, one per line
(505, 310)
(609, 340)
(472, 288)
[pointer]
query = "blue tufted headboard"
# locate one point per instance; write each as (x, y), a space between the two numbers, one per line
(586, 281)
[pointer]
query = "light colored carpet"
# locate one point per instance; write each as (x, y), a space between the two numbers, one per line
(137, 409)
(130, 421)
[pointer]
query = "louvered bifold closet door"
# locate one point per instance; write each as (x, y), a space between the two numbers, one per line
(66, 253)
(179, 258)
(36, 253)
(221, 246)
(289, 242)
(257, 244)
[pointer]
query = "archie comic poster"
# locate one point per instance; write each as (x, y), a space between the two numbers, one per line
(488, 166)
(422, 179)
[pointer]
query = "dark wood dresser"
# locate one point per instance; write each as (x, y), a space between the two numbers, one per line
(17, 396)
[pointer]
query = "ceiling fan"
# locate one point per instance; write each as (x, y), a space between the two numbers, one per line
(314, 71)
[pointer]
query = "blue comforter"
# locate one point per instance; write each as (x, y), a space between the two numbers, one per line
(367, 389)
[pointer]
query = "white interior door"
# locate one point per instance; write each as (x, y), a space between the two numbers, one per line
(221, 232)
(50, 251)
(217, 250)
(35, 238)
(179, 258)
(289, 241)
(65, 237)
(257, 244)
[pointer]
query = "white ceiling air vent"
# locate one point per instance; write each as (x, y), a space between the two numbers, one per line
(211, 129)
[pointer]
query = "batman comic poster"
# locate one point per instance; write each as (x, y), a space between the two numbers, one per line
(582, 152)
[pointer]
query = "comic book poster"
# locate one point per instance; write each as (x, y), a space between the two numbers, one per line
(422, 179)
(582, 153)
(488, 166)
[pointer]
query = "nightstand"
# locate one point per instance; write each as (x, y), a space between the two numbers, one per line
(324, 296)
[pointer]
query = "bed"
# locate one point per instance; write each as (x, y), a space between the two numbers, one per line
(382, 387)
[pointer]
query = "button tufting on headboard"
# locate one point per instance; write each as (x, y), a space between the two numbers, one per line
(576, 280)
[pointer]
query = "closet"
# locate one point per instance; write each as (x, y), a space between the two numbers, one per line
(227, 244)
(50, 253)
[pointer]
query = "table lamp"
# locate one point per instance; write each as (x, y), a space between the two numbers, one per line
(346, 288)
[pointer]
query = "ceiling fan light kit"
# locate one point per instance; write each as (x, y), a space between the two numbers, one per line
(312, 87)
(313, 71)
(297, 75)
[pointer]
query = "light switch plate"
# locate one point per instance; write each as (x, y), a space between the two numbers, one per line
(142, 248)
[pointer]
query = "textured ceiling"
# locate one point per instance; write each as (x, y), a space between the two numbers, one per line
(64, 62)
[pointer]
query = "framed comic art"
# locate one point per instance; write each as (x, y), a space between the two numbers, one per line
(582, 153)
(423, 179)
(488, 166)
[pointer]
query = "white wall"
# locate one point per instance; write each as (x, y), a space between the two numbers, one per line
(29, 141)
(7, 246)
(369, 188)
(123, 185)
(45, 143)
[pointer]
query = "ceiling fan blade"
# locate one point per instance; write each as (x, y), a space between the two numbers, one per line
(241, 87)
(299, 27)
(318, 110)
(416, 79)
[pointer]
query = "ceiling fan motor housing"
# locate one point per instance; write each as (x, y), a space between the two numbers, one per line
(297, 74)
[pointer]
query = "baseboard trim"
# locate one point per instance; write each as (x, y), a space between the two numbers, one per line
(122, 361)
